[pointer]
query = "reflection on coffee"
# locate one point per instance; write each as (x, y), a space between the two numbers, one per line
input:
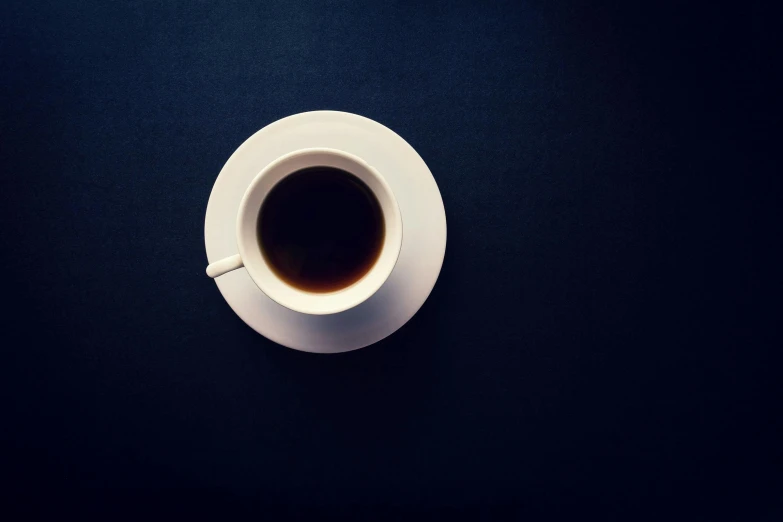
(321, 229)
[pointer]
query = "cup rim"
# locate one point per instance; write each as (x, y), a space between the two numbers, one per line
(392, 221)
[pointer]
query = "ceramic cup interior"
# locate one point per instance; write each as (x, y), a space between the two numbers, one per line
(264, 276)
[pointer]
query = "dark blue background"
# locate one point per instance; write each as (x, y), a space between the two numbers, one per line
(601, 333)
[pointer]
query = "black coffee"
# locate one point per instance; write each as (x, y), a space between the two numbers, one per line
(321, 229)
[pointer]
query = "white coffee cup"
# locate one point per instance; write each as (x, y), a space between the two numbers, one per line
(251, 256)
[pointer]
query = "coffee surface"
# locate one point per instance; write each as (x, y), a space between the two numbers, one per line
(321, 229)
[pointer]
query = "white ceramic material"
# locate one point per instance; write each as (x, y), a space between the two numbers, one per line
(420, 255)
(250, 254)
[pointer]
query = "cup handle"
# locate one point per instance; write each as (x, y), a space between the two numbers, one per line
(218, 268)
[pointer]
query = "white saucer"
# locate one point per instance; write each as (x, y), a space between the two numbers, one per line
(423, 245)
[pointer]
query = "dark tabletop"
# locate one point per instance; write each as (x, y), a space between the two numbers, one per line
(601, 334)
